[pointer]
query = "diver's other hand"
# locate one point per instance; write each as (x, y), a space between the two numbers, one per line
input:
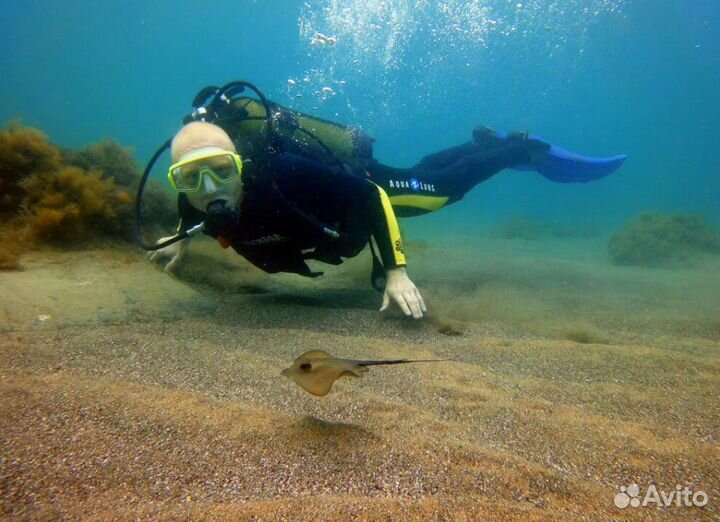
(176, 253)
(403, 291)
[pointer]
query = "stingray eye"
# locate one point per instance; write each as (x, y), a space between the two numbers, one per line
(306, 366)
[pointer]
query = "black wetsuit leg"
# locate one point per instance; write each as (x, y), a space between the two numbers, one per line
(449, 174)
(444, 158)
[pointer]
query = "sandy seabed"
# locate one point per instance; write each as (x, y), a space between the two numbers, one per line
(128, 394)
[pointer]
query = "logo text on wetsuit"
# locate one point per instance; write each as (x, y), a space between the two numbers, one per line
(265, 240)
(413, 184)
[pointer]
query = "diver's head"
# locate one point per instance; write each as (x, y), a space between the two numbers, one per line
(206, 166)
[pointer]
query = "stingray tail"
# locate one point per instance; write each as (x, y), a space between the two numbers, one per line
(398, 361)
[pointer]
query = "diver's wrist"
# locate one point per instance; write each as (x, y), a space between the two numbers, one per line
(395, 272)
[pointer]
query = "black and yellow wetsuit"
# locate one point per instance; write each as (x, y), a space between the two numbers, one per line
(316, 192)
(445, 177)
(294, 209)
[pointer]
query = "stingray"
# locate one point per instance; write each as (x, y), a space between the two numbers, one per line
(316, 371)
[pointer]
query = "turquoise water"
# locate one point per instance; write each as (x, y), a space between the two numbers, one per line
(128, 394)
(597, 76)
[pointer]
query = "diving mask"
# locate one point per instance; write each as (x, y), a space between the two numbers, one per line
(221, 165)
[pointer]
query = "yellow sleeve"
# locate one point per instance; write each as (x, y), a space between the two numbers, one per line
(386, 231)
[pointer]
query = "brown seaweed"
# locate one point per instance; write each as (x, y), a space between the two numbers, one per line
(69, 198)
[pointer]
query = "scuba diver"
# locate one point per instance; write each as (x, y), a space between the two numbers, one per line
(281, 187)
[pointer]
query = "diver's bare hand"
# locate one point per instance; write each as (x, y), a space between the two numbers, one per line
(176, 252)
(403, 291)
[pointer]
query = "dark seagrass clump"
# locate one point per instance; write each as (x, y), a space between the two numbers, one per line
(657, 239)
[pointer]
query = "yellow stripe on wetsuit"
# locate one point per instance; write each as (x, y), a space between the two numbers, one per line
(429, 203)
(393, 228)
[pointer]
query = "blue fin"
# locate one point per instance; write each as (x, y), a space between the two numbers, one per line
(563, 166)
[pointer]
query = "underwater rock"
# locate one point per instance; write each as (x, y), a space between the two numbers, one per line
(656, 239)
